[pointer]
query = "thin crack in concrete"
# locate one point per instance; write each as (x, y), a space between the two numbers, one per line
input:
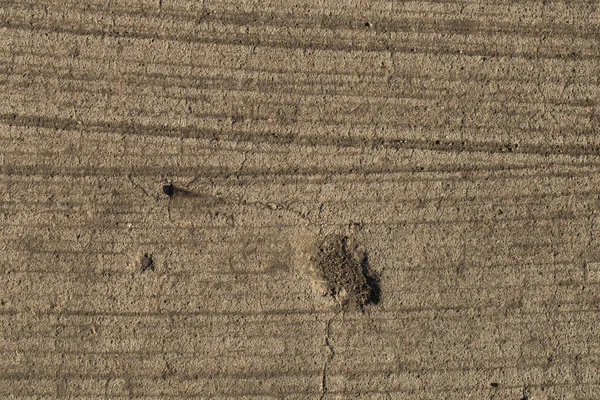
(138, 186)
(329, 356)
(169, 210)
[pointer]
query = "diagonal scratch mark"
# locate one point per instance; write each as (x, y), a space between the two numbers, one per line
(329, 356)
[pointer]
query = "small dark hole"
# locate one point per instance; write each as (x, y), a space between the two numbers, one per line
(147, 263)
(168, 189)
(368, 24)
(437, 142)
(494, 384)
(525, 398)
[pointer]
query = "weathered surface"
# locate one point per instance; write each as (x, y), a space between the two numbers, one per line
(462, 138)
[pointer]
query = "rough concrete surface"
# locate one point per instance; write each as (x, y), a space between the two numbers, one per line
(171, 169)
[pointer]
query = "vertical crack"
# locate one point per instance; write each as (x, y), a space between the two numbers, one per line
(329, 356)
(169, 210)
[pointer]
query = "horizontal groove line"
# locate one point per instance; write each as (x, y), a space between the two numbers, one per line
(420, 75)
(280, 312)
(336, 22)
(290, 89)
(383, 45)
(69, 124)
(443, 202)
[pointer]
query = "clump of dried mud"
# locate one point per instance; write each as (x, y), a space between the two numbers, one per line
(344, 270)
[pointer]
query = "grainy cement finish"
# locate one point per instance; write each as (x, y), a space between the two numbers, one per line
(455, 142)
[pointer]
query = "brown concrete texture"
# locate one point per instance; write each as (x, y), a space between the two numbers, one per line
(310, 199)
